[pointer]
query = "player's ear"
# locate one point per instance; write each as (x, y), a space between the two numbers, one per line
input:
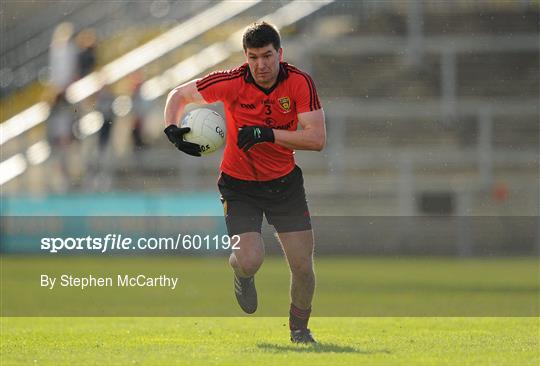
(280, 52)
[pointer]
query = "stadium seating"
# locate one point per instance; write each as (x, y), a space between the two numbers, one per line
(403, 140)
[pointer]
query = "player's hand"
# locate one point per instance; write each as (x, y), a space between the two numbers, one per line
(251, 135)
(176, 136)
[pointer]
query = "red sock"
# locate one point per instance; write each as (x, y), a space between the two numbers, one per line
(298, 318)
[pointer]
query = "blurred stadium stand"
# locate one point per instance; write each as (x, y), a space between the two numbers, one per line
(432, 107)
(26, 36)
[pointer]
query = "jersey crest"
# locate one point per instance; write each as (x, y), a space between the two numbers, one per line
(285, 104)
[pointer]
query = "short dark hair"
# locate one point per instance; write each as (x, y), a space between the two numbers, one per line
(261, 34)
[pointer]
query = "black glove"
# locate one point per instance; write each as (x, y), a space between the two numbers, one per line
(251, 135)
(176, 136)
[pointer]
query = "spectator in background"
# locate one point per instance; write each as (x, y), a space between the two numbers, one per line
(62, 57)
(140, 108)
(100, 166)
(86, 42)
(104, 103)
(60, 136)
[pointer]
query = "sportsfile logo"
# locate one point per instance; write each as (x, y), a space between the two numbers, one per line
(122, 242)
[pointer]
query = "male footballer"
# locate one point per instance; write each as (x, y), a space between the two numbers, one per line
(265, 100)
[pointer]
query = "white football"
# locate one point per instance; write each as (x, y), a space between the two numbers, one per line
(207, 129)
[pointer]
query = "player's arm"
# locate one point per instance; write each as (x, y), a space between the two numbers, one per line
(312, 136)
(177, 100)
(175, 105)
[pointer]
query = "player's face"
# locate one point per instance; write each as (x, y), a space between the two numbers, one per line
(264, 64)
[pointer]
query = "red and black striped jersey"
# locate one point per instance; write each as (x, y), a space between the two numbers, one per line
(247, 104)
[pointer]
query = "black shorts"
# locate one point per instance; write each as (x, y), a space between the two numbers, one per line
(282, 201)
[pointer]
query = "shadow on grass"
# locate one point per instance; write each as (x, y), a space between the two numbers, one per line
(316, 348)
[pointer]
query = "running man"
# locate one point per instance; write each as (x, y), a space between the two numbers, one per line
(265, 100)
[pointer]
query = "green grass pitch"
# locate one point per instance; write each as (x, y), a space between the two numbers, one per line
(367, 311)
(263, 341)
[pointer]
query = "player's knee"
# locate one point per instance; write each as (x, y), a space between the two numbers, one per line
(248, 264)
(250, 268)
(302, 269)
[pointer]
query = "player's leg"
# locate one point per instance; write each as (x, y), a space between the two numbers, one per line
(245, 260)
(248, 255)
(290, 216)
(298, 249)
(243, 219)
